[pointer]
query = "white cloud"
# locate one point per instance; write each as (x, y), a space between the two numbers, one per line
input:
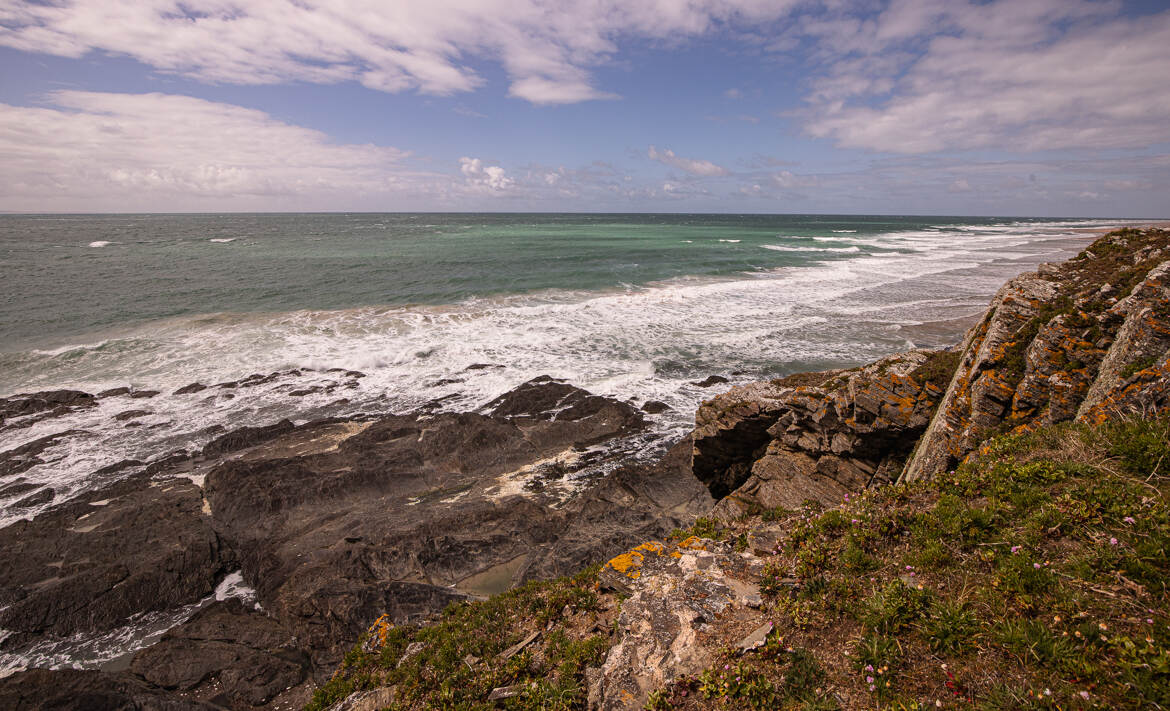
(1014, 75)
(546, 46)
(485, 176)
(158, 151)
(703, 168)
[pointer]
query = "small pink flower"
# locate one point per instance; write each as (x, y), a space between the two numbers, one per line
(869, 680)
(1112, 541)
(1015, 549)
(1085, 695)
(869, 667)
(1129, 519)
(1149, 620)
(1036, 566)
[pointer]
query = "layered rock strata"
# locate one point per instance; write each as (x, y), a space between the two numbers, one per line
(1086, 339)
(817, 435)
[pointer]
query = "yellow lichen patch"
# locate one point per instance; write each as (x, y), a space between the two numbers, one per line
(693, 543)
(626, 563)
(380, 629)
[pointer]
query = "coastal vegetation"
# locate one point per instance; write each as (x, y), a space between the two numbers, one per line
(1033, 576)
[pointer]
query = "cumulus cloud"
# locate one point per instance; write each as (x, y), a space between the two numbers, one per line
(546, 46)
(1017, 75)
(143, 151)
(484, 176)
(702, 168)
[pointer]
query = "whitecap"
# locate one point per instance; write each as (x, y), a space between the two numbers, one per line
(100, 243)
(843, 230)
(223, 239)
(781, 248)
(730, 240)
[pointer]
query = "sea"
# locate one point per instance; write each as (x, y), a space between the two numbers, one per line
(365, 314)
(448, 311)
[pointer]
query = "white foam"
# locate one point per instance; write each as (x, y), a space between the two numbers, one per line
(842, 230)
(730, 240)
(782, 248)
(100, 243)
(222, 239)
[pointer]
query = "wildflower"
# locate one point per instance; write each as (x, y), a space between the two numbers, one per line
(855, 522)
(1149, 620)
(1102, 626)
(1085, 695)
(869, 680)
(1047, 691)
(1112, 541)
(1015, 549)
(1129, 519)
(1036, 566)
(869, 667)
(1056, 618)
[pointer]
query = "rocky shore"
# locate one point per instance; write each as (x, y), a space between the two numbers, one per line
(361, 531)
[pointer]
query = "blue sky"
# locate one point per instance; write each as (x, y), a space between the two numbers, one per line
(1008, 107)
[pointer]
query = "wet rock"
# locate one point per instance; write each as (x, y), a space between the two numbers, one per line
(143, 394)
(192, 388)
(48, 400)
(307, 508)
(90, 563)
(227, 651)
(16, 488)
(710, 380)
(26, 456)
(245, 437)
(76, 690)
(482, 366)
(114, 392)
(654, 407)
(43, 496)
(130, 414)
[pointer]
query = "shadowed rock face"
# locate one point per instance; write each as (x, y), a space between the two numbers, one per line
(777, 444)
(1085, 339)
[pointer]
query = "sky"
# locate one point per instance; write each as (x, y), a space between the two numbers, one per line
(941, 107)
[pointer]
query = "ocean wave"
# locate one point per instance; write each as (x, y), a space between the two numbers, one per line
(782, 248)
(222, 239)
(100, 243)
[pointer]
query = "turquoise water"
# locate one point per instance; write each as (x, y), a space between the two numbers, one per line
(66, 276)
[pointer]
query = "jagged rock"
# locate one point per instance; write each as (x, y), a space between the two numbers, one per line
(1056, 345)
(130, 415)
(48, 400)
(43, 496)
(189, 389)
(114, 392)
(89, 564)
(654, 407)
(372, 700)
(675, 592)
(26, 456)
(710, 380)
(756, 639)
(475, 506)
(226, 652)
(246, 437)
(765, 445)
(75, 690)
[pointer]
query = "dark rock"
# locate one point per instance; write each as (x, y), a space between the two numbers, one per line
(130, 414)
(482, 366)
(31, 403)
(654, 407)
(143, 394)
(88, 564)
(711, 380)
(76, 690)
(113, 392)
(24, 457)
(43, 496)
(192, 388)
(308, 508)
(16, 488)
(764, 445)
(245, 437)
(227, 650)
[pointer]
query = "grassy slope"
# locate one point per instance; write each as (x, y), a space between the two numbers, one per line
(1034, 576)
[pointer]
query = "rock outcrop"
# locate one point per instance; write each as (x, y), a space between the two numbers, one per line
(677, 592)
(1085, 339)
(816, 435)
